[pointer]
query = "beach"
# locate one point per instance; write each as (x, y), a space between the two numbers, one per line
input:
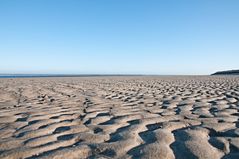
(149, 117)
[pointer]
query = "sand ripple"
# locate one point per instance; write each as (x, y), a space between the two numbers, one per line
(120, 117)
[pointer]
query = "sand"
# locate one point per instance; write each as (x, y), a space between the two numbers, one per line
(161, 117)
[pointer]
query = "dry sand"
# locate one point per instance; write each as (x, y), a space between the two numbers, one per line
(161, 117)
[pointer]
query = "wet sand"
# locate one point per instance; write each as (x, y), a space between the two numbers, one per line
(161, 117)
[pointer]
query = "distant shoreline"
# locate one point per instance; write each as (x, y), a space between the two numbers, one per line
(91, 75)
(80, 75)
(228, 72)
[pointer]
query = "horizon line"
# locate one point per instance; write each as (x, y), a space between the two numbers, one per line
(29, 75)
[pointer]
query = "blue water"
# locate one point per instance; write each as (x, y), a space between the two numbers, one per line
(27, 76)
(55, 75)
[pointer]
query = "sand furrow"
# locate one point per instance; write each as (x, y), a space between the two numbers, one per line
(120, 117)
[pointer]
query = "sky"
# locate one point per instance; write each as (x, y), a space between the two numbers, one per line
(162, 37)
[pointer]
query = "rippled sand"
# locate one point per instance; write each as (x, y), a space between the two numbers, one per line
(161, 117)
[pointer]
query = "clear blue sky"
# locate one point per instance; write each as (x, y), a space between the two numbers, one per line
(119, 36)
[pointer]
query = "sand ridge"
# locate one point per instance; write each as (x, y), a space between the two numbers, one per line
(120, 117)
